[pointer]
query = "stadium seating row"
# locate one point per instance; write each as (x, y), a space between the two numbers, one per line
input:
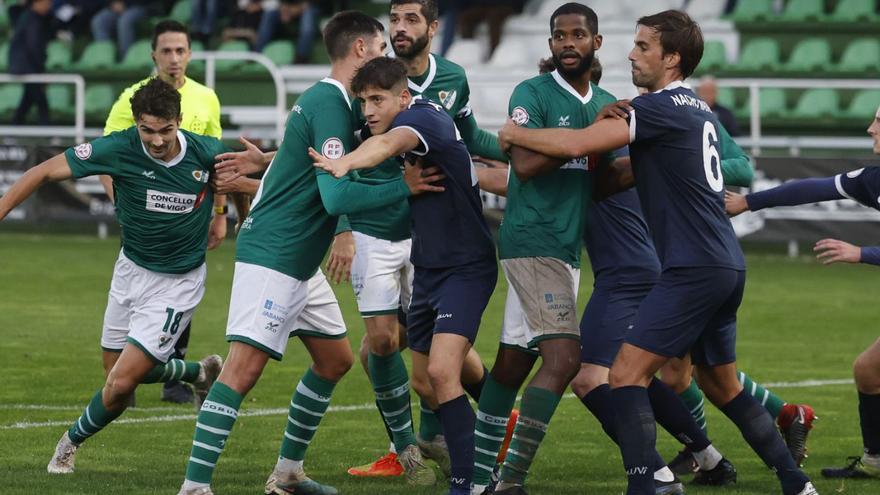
(818, 104)
(805, 11)
(811, 57)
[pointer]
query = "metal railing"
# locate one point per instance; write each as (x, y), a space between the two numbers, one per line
(211, 58)
(79, 84)
(754, 86)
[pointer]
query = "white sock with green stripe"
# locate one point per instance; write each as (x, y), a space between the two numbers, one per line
(173, 370)
(215, 421)
(93, 419)
(309, 403)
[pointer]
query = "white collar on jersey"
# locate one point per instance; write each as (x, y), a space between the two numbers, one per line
(432, 71)
(174, 161)
(564, 85)
(340, 86)
(674, 85)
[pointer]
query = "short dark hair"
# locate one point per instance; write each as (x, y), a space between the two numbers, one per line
(156, 98)
(429, 8)
(678, 34)
(383, 73)
(579, 9)
(169, 26)
(344, 28)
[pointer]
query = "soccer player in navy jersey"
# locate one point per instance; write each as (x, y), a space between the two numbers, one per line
(673, 140)
(863, 186)
(452, 248)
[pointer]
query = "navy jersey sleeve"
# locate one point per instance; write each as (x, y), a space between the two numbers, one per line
(652, 117)
(434, 128)
(862, 185)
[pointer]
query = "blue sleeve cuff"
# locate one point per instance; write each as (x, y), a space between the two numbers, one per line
(795, 192)
(871, 255)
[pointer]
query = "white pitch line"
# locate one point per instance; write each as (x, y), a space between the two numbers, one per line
(25, 425)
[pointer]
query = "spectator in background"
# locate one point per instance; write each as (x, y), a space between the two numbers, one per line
(494, 12)
(244, 22)
(119, 19)
(290, 16)
(204, 15)
(27, 55)
(708, 92)
(73, 16)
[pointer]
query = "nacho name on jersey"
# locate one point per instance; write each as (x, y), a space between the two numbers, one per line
(164, 202)
(687, 100)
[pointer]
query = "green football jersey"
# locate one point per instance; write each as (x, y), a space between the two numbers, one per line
(545, 216)
(445, 83)
(289, 228)
(391, 222)
(164, 208)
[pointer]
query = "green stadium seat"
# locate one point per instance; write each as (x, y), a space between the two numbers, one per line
(196, 65)
(59, 56)
(99, 98)
(810, 55)
(60, 97)
(138, 57)
(727, 98)
(817, 103)
(753, 10)
(862, 55)
(760, 54)
(864, 105)
(320, 55)
(714, 57)
(97, 55)
(4, 17)
(855, 10)
(231, 46)
(772, 102)
(182, 11)
(10, 96)
(4, 56)
(803, 10)
(280, 52)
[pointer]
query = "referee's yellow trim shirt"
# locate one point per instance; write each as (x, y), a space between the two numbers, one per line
(198, 104)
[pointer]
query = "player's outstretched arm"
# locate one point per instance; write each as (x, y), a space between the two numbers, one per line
(527, 163)
(479, 141)
(345, 196)
(235, 164)
(370, 153)
(830, 251)
(792, 193)
(52, 170)
(604, 135)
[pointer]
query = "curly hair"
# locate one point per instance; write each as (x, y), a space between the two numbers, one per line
(156, 98)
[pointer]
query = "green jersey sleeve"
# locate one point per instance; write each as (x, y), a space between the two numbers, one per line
(98, 157)
(736, 166)
(525, 108)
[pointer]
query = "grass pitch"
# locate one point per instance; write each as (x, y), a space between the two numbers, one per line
(800, 321)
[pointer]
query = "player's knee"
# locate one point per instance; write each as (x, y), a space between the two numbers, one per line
(587, 379)
(675, 379)
(334, 370)
(867, 374)
(422, 385)
(441, 376)
(118, 386)
(383, 345)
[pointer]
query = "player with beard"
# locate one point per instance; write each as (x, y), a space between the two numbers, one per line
(377, 242)
(673, 141)
(540, 252)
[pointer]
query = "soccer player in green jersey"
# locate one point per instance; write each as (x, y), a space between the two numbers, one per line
(164, 205)
(200, 110)
(278, 290)
(412, 26)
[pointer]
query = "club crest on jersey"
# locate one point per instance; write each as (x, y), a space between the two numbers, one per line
(332, 148)
(519, 116)
(200, 175)
(447, 98)
(83, 151)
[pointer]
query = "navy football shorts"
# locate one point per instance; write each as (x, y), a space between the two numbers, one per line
(609, 313)
(691, 310)
(449, 300)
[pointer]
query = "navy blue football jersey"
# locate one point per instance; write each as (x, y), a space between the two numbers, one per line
(674, 149)
(862, 185)
(617, 238)
(448, 228)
